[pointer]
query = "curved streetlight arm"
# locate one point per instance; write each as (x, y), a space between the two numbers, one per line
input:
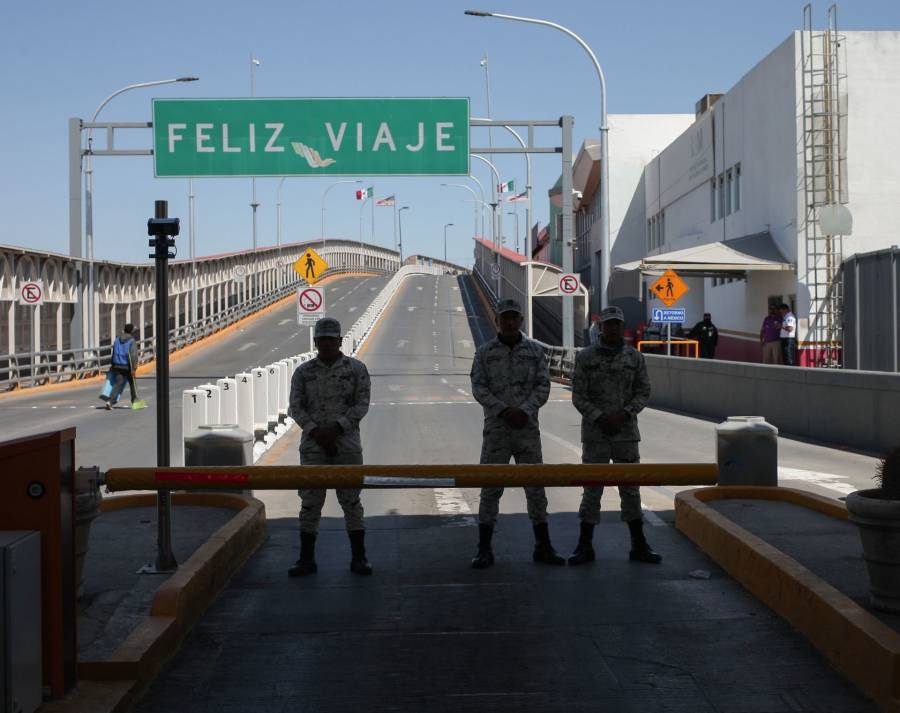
(325, 195)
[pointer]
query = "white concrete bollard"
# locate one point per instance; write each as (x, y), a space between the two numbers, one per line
(213, 399)
(244, 403)
(193, 413)
(273, 376)
(260, 402)
(285, 386)
(227, 400)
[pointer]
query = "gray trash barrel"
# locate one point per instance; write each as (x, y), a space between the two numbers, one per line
(219, 444)
(747, 451)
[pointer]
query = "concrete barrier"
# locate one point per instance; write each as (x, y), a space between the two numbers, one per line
(859, 409)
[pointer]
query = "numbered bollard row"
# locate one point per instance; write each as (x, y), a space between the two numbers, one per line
(257, 400)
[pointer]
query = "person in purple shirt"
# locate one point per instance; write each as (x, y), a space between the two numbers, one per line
(770, 336)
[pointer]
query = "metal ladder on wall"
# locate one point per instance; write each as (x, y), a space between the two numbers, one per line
(824, 182)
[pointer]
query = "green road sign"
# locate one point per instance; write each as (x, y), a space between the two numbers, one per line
(311, 137)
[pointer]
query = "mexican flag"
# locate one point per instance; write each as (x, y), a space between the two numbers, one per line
(508, 187)
(365, 193)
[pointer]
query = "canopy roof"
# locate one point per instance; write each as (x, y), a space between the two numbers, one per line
(752, 252)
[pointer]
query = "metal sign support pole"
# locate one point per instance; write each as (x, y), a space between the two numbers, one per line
(165, 559)
(568, 301)
(668, 339)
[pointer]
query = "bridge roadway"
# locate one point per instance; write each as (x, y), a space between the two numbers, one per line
(427, 632)
(124, 437)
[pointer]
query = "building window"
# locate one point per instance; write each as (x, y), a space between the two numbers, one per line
(728, 189)
(720, 209)
(736, 199)
(712, 201)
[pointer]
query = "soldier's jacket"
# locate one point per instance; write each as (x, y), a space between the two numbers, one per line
(605, 381)
(505, 376)
(323, 394)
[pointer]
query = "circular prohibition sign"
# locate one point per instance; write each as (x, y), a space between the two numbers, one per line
(311, 300)
(31, 293)
(569, 285)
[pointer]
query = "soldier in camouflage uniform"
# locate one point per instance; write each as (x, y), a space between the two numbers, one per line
(511, 380)
(610, 387)
(329, 397)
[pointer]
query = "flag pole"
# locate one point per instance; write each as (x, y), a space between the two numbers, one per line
(373, 218)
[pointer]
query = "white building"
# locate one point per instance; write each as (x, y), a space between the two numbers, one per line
(734, 204)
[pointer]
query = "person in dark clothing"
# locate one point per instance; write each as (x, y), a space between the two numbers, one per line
(707, 334)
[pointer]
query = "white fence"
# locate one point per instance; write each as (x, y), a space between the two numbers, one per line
(257, 400)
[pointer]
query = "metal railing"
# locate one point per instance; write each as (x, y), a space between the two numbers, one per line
(28, 369)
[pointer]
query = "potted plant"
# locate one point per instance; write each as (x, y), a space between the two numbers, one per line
(877, 514)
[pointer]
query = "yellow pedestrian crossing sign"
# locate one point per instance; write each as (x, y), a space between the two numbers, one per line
(310, 266)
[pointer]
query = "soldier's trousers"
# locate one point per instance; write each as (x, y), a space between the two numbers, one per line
(604, 452)
(498, 447)
(312, 499)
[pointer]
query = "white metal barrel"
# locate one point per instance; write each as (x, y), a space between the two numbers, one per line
(747, 451)
(193, 413)
(284, 386)
(212, 402)
(273, 379)
(260, 401)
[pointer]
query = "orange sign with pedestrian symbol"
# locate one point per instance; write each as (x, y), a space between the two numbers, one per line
(669, 288)
(310, 266)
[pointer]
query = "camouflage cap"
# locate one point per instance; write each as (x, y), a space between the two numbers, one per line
(328, 327)
(612, 313)
(508, 306)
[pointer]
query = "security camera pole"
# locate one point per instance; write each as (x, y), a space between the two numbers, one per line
(162, 231)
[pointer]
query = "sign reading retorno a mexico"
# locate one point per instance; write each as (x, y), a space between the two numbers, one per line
(311, 137)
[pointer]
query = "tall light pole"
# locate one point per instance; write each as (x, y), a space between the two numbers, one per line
(485, 64)
(324, 195)
(498, 217)
(89, 194)
(192, 241)
(481, 190)
(278, 224)
(605, 269)
(516, 216)
(446, 225)
(477, 211)
(400, 226)
(254, 204)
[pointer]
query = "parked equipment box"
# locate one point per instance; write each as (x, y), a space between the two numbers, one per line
(20, 621)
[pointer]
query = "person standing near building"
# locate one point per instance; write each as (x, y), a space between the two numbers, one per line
(329, 397)
(707, 334)
(788, 336)
(511, 381)
(610, 387)
(770, 336)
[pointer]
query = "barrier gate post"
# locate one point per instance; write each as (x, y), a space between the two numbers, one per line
(162, 231)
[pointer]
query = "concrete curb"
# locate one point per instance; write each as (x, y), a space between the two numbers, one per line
(114, 684)
(857, 644)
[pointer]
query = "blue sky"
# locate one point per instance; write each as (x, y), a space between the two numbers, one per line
(62, 59)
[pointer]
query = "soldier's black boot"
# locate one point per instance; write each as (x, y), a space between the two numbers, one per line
(358, 562)
(485, 556)
(640, 549)
(584, 551)
(543, 550)
(307, 562)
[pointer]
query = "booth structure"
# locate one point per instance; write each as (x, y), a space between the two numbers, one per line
(37, 482)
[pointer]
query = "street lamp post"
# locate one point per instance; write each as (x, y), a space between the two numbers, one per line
(516, 216)
(89, 194)
(324, 195)
(498, 218)
(254, 204)
(604, 142)
(400, 226)
(481, 190)
(475, 197)
(446, 225)
(278, 225)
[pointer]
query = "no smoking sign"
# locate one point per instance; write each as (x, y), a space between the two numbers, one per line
(32, 293)
(568, 284)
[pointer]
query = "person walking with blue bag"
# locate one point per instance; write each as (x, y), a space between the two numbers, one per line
(121, 370)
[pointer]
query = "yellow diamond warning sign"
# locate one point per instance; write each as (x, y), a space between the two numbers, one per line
(310, 266)
(670, 288)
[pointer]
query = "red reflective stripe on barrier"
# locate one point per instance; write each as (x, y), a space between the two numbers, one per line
(204, 477)
(589, 483)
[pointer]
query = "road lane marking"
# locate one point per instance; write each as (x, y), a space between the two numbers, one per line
(411, 308)
(351, 309)
(246, 346)
(285, 321)
(463, 392)
(450, 503)
(402, 343)
(829, 481)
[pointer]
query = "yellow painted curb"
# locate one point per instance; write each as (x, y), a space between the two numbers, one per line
(857, 643)
(176, 355)
(114, 684)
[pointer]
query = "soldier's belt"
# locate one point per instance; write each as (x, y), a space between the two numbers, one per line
(291, 477)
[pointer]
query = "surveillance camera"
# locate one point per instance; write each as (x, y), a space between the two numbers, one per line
(578, 194)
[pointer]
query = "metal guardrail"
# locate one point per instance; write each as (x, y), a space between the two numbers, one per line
(27, 369)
